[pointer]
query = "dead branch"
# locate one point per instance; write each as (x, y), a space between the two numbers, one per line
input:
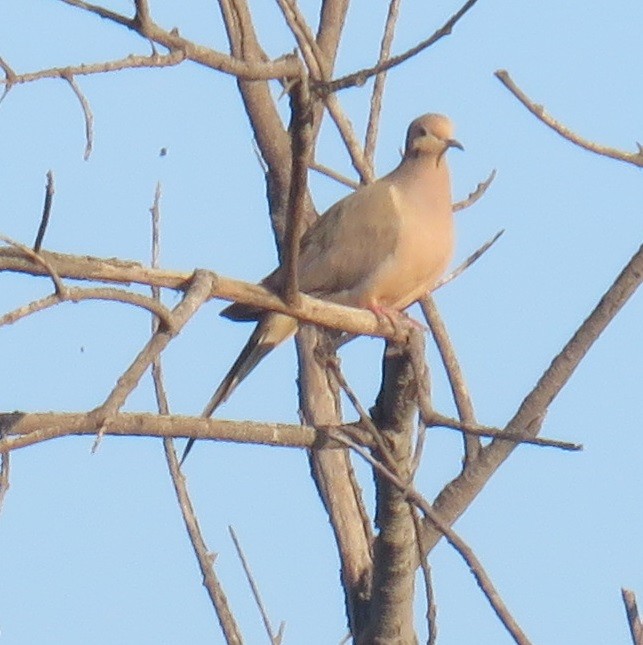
(72, 294)
(87, 114)
(380, 80)
(456, 496)
(541, 114)
(284, 67)
(310, 310)
(5, 470)
(431, 607)
(275, 639)
(132, 61)
(301, 147)
(205, 559)
(469, 261)
(467, 554)
(459, 389)
(39, 260)
(195, 296)
(46, 211)
(633, 620)
(474, 196)
(360, 77)
(21, 429)
(333, 174)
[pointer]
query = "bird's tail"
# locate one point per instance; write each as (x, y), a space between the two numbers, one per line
(271, 330)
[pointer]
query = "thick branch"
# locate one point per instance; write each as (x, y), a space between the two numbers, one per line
(311, 310)
(458, 494)
(254, 70)
(21, 429)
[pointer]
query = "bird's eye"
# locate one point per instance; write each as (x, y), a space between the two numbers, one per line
(422, 131)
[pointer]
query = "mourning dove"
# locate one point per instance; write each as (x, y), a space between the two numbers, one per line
(380, 248)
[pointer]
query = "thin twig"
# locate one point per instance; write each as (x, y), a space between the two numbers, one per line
(275, 639)
(423, 381)
(204, 557)
(9, 78)
(458, 385)
(46, 211)
(541, 114)
(40, 259)
(310, 50)
(283, 67)
(350, 140)
(633, 620)
(475, 566)
(431, 608)
(360, 77)
(333, 174)
(133, 61)
(87, 114)
(75, 294)
(196, 295)
(365, 419)
(469, 261)
(380, 81)
(474, 196)
(477, 430)
(5, 470)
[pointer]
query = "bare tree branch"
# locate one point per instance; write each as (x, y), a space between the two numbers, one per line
(431, 607)
(456, 496)
(633, 620)
(275, 639)
(539, 112)
(72, 294)
(195, 296)
(461, 268)
(473, 197)
(467, 554)
(459, 389)
(21, 429)
(329, 172)
(87, 113)
(284, 67)
(46, 211)
(39, 260)
(5, 470)
(360, 77)
(205, 559)
(311, 310)
(380, 81)
(301, 146)
(132, 61)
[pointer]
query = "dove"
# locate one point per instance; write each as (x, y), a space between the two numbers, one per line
(382, 247)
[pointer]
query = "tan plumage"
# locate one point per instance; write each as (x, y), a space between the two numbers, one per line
(381, 247)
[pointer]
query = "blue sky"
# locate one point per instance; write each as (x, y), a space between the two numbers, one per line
(93, 545)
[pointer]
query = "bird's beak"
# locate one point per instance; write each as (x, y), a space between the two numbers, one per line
(449, 143)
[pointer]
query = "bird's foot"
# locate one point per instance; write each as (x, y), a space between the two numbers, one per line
(399, 320)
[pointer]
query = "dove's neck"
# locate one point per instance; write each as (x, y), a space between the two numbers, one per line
(424, 180)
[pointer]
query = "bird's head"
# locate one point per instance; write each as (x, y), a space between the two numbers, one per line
(430, 135)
